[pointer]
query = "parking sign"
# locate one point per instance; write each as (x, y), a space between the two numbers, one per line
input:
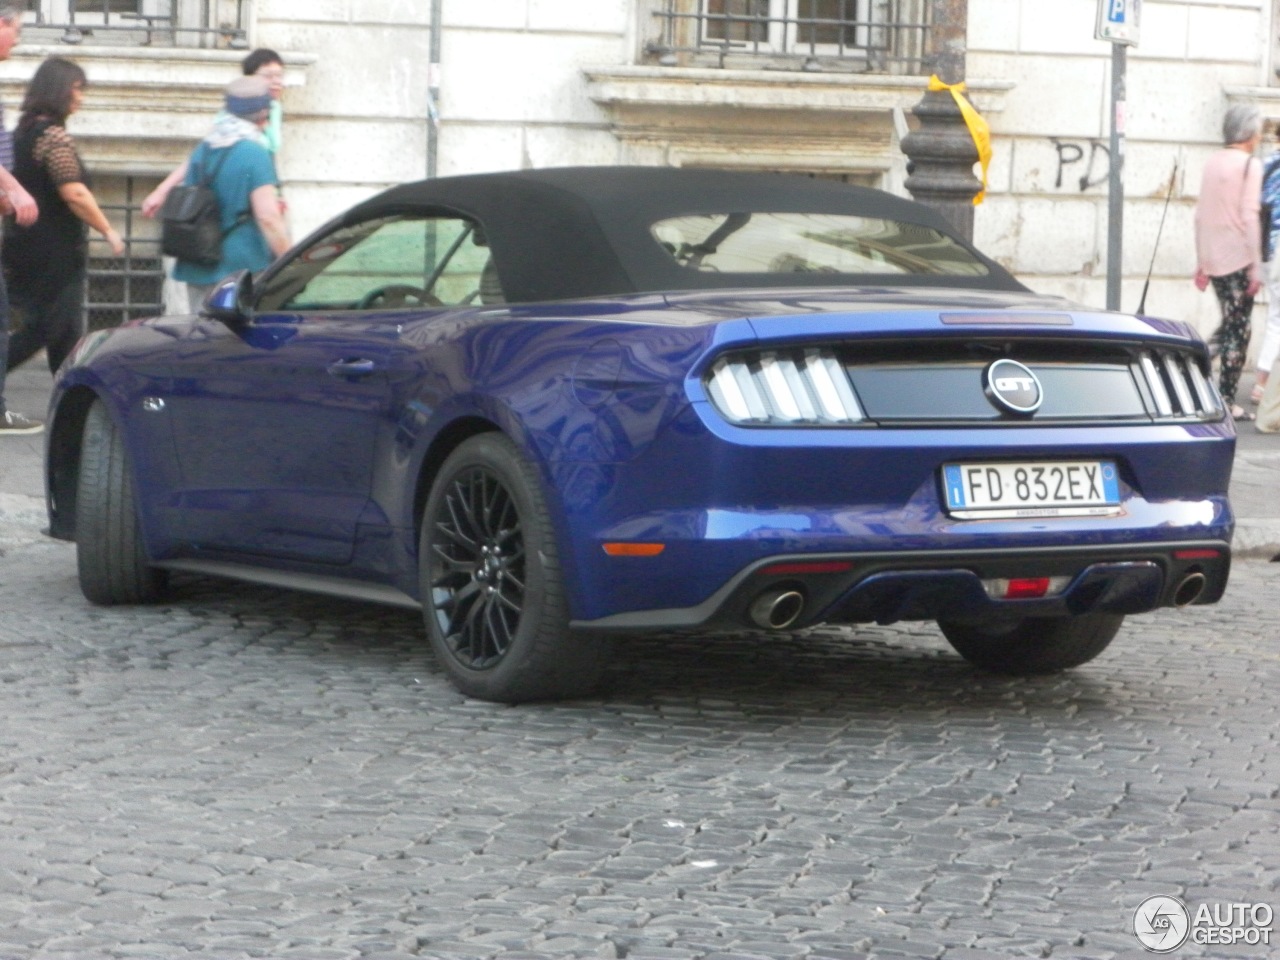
(1118, 21)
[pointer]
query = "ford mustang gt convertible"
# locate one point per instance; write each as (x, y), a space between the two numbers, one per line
(553, 408)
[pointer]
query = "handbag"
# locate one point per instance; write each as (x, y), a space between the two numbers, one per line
(191, 220)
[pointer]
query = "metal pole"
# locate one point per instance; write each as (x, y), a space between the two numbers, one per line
(433, 89)
(941, 152)
(1115, 195)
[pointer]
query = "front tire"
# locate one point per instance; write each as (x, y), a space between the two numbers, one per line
(1033, 645)
(490, 579)
(110, 557)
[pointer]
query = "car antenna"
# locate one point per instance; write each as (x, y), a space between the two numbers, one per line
(1173, 179)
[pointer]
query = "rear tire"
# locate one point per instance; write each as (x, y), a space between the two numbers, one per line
(492, 594)
(110, 557)
(1033, 645)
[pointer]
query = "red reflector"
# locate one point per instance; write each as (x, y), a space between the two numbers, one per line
(1027, 588)
(1196, 554)
(623, 549)
(797, 569)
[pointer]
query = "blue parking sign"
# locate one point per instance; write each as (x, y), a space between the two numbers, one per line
(1118, 21)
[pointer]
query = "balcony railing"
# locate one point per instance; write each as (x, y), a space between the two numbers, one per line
(859, 36)
(185, 23)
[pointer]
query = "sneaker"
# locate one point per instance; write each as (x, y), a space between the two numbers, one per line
(15, 424)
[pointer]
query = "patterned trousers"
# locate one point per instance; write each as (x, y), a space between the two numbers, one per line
(1233, 335)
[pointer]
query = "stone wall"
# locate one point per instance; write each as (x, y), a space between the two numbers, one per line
(1046, 217)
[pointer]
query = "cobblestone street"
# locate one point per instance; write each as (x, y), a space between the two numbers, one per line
(251, 773)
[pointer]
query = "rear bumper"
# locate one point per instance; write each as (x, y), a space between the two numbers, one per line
(725, 503)
(929, 585)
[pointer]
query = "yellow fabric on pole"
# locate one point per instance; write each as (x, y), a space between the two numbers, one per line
(978, 128)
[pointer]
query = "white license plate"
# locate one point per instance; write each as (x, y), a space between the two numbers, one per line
(1076, 488)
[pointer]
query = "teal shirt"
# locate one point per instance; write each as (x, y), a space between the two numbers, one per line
(246, 166)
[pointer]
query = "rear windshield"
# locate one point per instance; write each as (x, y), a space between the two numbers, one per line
(811, 243)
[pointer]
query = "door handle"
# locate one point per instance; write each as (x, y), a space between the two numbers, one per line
(358, 367)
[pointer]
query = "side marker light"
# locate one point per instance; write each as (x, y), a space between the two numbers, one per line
(628, 549)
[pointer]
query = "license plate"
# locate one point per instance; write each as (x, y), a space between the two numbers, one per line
(1078, 488)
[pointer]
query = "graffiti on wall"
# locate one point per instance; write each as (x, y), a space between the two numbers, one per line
(1084, 163)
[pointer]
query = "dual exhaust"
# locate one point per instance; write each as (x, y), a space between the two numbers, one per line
(1189, 589)
(778, 608)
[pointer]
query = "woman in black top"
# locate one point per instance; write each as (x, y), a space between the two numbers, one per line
(44, 263)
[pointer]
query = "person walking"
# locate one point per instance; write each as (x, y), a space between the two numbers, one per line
(1270, 349)
(17, 203)
(264, 63)
(1229, 240)
(238, 168)
(45, 263)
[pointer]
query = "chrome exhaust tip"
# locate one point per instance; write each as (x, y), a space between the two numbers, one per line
(1189, 589)
(776, 609)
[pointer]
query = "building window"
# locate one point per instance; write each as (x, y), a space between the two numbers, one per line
(198, 23)
(875, 36)
(129, 287)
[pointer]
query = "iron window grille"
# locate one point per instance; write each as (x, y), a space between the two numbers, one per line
(864, 36)
(188, 23)
(128, 287)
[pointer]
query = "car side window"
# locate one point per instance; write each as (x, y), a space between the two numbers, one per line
(387, 263)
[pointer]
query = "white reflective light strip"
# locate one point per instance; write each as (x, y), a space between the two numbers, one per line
(799, 389)
(779, 389)
(852, 410)
(828, 395)
(1163, 406)
(731, 398)
(1178, 377)
(756, 407)
(1208, 399)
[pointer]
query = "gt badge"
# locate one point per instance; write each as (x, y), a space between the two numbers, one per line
(1012, 387)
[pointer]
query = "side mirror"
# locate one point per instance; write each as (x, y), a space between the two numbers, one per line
(231, 301)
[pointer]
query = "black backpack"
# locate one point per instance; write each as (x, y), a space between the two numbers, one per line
(190, 221)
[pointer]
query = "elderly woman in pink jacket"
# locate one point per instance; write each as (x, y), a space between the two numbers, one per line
(1229, 240)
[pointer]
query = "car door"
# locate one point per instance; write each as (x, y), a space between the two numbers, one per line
(278, 421)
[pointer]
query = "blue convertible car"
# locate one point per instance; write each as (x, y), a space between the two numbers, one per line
(550, 407)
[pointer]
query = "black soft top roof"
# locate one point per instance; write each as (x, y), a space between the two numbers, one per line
(574, 232)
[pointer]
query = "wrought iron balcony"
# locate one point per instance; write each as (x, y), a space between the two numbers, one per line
(178, 23)
(860, 36)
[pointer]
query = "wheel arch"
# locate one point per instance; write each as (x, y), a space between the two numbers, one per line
(445, 442)
(62, 459)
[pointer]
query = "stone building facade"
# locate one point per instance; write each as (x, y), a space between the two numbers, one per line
(823, 87)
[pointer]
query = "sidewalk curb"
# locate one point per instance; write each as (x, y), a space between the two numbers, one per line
(1257, 539)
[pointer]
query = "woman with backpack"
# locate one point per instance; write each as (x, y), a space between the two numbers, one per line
(45, 262)
(233, 163)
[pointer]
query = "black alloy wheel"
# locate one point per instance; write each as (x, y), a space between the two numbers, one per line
(478, 593)
(492, 594)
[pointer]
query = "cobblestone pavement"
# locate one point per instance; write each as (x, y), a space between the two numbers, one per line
(244, 772)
